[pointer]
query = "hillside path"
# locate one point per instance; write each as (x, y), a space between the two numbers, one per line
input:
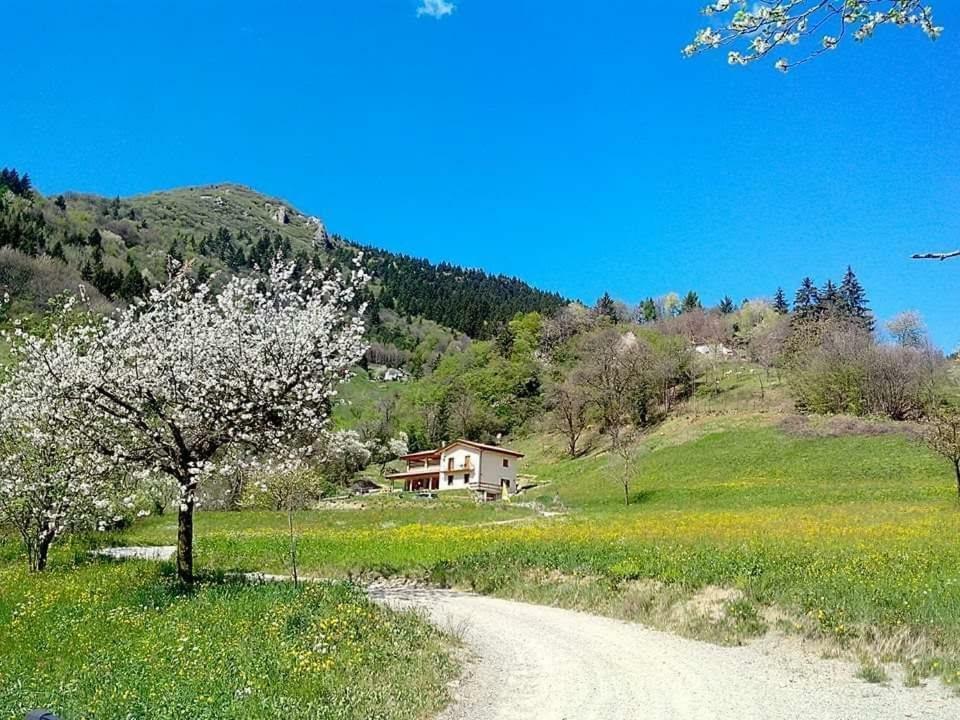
(530, 662)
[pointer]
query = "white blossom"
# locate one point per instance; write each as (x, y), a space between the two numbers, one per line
(190, 383)
(761, 27)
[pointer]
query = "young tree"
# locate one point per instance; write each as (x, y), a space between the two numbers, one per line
(569, 405)
(780, 303)
(942, 435)
(46, 488)
(907, 329)
(616, 378)
(755, 30)
(726, 306)
(191, 384)
(669, 305)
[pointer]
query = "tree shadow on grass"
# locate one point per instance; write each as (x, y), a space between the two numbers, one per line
(643, 497)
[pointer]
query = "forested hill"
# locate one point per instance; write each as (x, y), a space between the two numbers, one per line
(468, 300)
(120, 247)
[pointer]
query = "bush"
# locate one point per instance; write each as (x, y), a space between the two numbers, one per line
(845, 372)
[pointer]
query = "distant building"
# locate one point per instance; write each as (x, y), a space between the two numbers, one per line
(394, 375)
(714, 351)
(489, 470)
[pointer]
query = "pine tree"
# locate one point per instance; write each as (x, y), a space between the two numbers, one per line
(829, 304)
(606, 308)
(57, 252)
(853, 300)
(691, 301)
(807, 300)
(649, 310)
(94, 239)
(203, 273)
(780, 303)
(726, 305)
(133, 285)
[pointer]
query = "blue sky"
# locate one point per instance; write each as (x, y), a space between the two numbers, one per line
(567, 143)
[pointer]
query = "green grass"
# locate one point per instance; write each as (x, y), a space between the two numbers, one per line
(853, 538)
(849, 538)
(115, 641)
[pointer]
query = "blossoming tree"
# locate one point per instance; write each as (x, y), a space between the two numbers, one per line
(193, 383)
(753, 30)
(46, 488)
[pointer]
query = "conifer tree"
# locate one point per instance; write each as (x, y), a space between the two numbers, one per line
(829, 304)
(853, 299)
(133, 285)
(807, 300)
(726, 306)
(780, 303)
(606, 308)
(649, 310)
(691, 301)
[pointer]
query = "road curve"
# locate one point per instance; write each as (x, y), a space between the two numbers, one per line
(530, 662)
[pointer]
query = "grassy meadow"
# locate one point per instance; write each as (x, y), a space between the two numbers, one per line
(837, 529)
(743, 519)
(109, 641)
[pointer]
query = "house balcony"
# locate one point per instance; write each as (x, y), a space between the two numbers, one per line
(462, 467)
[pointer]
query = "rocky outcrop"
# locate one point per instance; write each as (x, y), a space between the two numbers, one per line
(281, 215)
(320, 236)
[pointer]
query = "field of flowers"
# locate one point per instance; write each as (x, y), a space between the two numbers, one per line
(114, 641)
(853, 536)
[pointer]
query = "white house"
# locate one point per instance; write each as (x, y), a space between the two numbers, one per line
(488, 469)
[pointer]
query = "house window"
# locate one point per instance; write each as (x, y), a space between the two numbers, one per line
(506, 463)
(466, 477)
(449, 480)
(449, 463)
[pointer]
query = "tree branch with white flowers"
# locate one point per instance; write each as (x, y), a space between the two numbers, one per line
(752, 30)
(193, 383)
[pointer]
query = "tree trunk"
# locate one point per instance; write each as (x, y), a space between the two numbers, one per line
(185, 542)
(42, 550)
(956, 468)
(293, 548)
(38, 553)
(626, 493)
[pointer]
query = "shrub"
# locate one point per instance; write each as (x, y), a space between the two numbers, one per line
(842, 370)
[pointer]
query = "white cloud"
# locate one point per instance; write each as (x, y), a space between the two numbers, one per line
(435, 8)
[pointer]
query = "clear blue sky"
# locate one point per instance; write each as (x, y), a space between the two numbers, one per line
(564, 142)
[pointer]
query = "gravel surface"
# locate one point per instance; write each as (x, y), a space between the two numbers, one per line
(531, 662)
(163, 552)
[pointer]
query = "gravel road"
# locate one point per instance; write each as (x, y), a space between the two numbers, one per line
(532, 662)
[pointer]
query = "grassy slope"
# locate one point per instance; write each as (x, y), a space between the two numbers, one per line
(851, 537)
(184, 212)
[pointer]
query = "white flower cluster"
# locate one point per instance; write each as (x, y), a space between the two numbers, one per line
(762, 27)
(186, 383)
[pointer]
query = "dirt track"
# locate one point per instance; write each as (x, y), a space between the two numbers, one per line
(532, 662)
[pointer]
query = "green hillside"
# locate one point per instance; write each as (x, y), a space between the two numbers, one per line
(120, 247)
